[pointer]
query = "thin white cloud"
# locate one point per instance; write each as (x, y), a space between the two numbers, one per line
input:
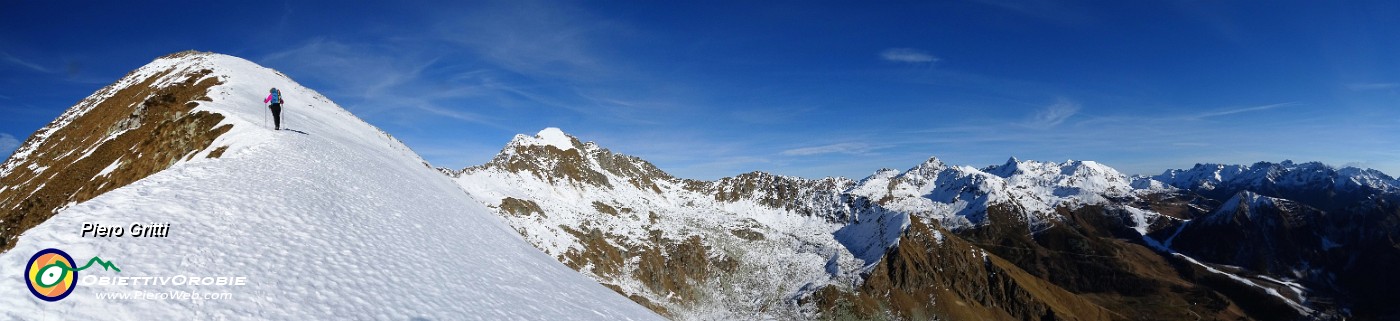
(841, 148)
(26, 64)
(8, 144)
(1239, 110)
(538, 38)
(377, 81)
(1053, 115)
(769, 115)
(1373, 86)
(560, 55)
(1049, 10)
(907, 55)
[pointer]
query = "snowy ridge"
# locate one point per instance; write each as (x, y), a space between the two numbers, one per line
(959, 196)
(801, 233)
(1242, 201)
(1265, 175)
(333, 219)
(791, 235)
(170, 69)
(547, 137)
(632, 206)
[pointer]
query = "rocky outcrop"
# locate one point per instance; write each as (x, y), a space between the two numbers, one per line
(138, 126)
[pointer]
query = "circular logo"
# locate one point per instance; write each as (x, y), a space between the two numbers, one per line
(50, 275)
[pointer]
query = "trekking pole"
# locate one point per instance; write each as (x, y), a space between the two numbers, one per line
(267, 114)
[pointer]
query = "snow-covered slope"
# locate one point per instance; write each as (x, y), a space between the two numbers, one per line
(1325, 232)
(787, 247)
(958, 196)
(332, 219)
(777, 239)
(662, 240)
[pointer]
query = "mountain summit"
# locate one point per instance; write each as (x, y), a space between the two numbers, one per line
(331, 219)
(1073, 240)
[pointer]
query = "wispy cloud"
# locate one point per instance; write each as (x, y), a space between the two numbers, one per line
(769, 115)
(1150, 142)
(516, 66)
(1050, 10)
(841, 148)
(538, 38)
(377, 80)
(1238, 110)
(455, 114)
(561, 55)
(1373, 86)
(8, 143)
(1052, 115)
(907, 55)
(24, 63)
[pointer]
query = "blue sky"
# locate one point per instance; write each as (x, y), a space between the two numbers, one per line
(809, 88)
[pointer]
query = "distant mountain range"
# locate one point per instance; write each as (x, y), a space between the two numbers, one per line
(1021, 240)
(370, 230)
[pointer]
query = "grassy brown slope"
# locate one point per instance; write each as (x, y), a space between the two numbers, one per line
(159, 131)
(924, 278)
(1082, 255)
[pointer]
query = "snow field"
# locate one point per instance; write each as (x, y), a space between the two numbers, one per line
(335, 220)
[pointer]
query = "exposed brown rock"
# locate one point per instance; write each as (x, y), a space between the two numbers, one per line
(668, 268)
(639, 173)
(519, 207)
(674, 267)
(598, 253)
(156, 130)
(640, 300)
(923, 278)
(747, 234)
(218, 152)
(604, 208)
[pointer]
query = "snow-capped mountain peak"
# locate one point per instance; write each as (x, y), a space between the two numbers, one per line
(329, 218)
(555, 156)
(551, 136)
(927, 170)
(762, 225)
(1012, 166)
(1309, 182)
(1244, 201)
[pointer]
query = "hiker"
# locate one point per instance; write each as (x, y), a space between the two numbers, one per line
(275, 97)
